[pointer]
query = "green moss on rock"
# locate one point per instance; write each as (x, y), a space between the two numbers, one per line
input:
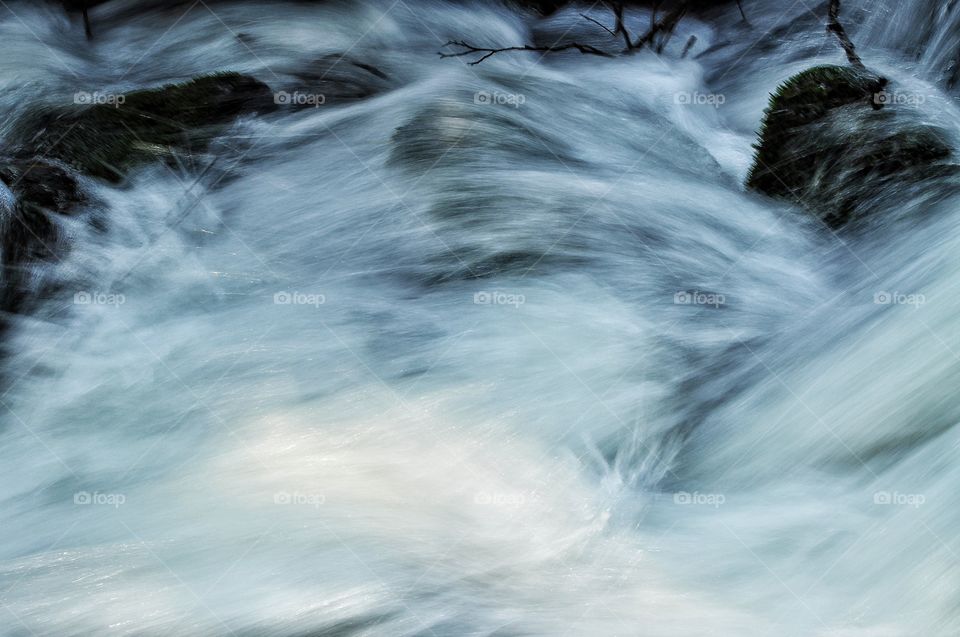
(801, 100)
(106, 140)
(828, 143)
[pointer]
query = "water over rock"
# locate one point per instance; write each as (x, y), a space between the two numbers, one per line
(334, 79)
(114, 133)
(34, 193)
(834, 141)
(53, 148)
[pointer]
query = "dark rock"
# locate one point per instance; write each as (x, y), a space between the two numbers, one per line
(831, 142)
(33, 193)
(106, 139)
(40, 180)
(41, 185)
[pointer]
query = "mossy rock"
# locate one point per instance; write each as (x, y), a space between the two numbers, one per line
(106, 140)
(800, 101)
(830, 144)
(50, 149)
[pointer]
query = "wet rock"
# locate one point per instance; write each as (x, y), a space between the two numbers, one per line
(51, 148)
(40, 184)
(833, 142)
(107, 138)
(33, 194)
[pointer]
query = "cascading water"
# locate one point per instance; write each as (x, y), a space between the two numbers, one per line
(494, 350)
(924, 31)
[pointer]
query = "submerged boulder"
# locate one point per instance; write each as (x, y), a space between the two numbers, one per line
(332, 80)
(106, 139)
(833, 141)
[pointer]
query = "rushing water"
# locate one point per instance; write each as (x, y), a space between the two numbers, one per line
(425, 361)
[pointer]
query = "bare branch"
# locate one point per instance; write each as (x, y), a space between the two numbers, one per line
(621, 27)
(665, 26)
(469, 49)
(662, 29)
(837, 29)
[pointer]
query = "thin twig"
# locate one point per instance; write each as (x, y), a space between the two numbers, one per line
(837, 29)
(585, 49)
(600, 24)
(742, 14)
